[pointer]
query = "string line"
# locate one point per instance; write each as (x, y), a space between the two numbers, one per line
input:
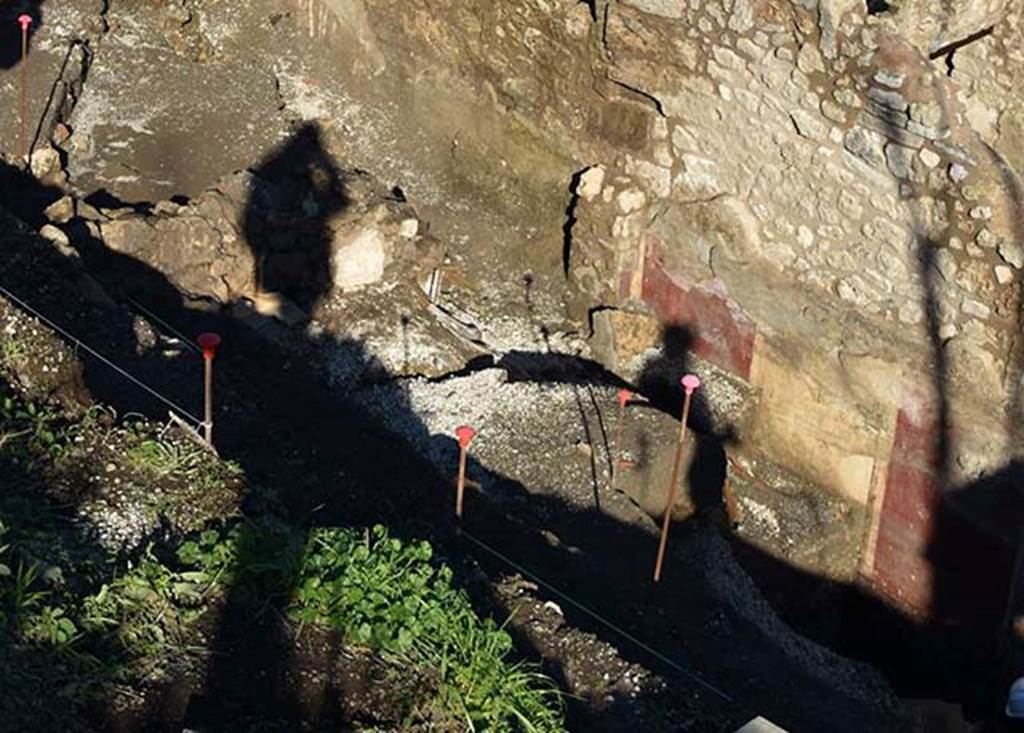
(85, 347)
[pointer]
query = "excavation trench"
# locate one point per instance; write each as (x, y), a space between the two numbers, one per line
(350, 416)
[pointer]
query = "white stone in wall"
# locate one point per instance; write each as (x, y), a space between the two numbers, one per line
(658, 178)
(361, 261)
(808, 125)
(808, 60)
(631, 200)
(945, 262)
(1012, 252)
(409, 228)
(891, 79)
(699, 177)
(741, 19)
(975, 308)
(591, 183)
(981, 118)
(664, 8)
(930, 158)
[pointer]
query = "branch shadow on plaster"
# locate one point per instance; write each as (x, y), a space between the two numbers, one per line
(10, 30)
(971, 526)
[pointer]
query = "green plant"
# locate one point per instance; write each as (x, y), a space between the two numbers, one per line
(148, 611)
(50, 625)
(164, 458)
(387, 595)
(13, 350)
(29, 431)
(21, 599)
(488, 692)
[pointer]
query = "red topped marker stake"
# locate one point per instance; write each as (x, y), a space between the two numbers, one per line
(25, 21)
(624, 397)
(209, 343)
(690, 384)
(465, 434)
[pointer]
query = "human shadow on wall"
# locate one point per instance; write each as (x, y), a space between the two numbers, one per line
(296, 191)
(279, 426)
(10, 29)
(659, 381)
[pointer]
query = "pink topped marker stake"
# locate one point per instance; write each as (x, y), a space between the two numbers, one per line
(25, 21)
(691, 382)
(209, 343)
(465, 434)
(624, 397)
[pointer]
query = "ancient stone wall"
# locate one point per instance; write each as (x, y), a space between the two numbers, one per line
(825, 193)
(835, 219)
(830, 211)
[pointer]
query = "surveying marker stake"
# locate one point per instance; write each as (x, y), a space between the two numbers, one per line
(25, 21)
(690, 383)
(624, 397)
(465, 434)
(209, 343)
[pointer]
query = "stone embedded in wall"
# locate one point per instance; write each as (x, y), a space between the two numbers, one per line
(359, 259)
(809, 126)
(900, 160)
(591, 182)
(664, 8)
(867, 145)
(648, 447)
(1012, 253)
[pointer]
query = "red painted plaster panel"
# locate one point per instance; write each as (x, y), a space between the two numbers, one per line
(721, 334)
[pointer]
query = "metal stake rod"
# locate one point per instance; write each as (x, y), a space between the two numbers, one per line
(209, 342)
(465, 435)
(690, 384)
(25, 20)
(624, 397)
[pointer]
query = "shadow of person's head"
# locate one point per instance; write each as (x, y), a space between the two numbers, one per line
(659, 378)
(10, 29)
(296, 190)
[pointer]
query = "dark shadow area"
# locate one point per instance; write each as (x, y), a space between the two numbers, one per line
(19, 191)
(971, 530)
(103, 199)
(296, 191)
(332, 464)
(659, 382)
(570, 218)
(10, 29)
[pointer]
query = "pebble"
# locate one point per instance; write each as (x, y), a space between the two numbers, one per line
(930, 158)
